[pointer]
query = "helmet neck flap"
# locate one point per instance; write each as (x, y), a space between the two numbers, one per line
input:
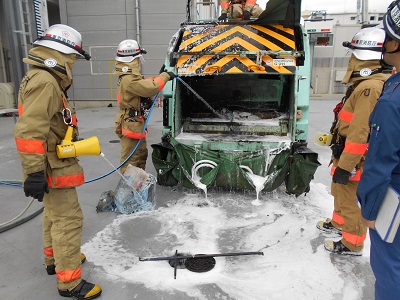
(129, 68)
(359, 70)
(53, 61)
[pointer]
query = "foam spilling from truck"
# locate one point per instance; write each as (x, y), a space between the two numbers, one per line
(241, 101)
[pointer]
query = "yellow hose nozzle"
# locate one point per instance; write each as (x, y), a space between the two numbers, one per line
(323, 139)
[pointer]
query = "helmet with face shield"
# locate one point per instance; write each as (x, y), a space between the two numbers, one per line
(128, 50)
(367, 43)
(64, 39)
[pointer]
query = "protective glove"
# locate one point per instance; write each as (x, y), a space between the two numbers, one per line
(341, 176)
(171, 75)
(36, 185)
(246, 15)
(223, 17)
(162, 69)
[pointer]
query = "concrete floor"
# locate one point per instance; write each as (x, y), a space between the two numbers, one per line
(21, 260)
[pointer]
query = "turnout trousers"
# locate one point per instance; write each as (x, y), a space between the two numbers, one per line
(138, 159)
(347, 214)
(62, 235)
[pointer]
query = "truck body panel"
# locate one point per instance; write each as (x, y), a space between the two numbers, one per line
(239, 106)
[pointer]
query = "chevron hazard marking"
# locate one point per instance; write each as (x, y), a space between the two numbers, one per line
(227, 40)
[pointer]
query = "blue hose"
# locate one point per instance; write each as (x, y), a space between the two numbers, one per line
(19, 184)
(13, 183)
(134, 149)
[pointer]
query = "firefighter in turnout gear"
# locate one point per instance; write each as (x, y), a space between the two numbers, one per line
(133, 92)
(350, 136)
(44, 115)
(239, 9)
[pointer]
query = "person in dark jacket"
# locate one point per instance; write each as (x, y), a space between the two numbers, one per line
(382, 165)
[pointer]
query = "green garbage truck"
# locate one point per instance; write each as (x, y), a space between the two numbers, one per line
(236, 115)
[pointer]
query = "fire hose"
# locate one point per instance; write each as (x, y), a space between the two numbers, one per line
(14, 222)
(8, 225)
(134, 149)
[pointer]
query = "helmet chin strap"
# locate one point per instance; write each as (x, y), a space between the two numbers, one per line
(395, 51)
(383, 63)
(391, 52)
(384, 48)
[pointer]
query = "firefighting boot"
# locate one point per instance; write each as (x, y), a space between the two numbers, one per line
(51, 269)
(327, 226)
(339, 248)
(84, 290)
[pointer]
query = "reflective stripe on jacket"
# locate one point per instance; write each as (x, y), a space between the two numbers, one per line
(131, 88)
(41, 127)
(353, 122)
(355, 177)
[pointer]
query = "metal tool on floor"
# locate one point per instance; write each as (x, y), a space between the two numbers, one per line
(196, 263)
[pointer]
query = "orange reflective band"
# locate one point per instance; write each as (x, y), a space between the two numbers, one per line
(160, 82)
(118, 97)
(356, 177)
(64, 103)
(333, 170)
(30, 146)
(150, 78)
(133, 135)
(69, 180)
(69, 275)
(251, 2)
(338, 219)
(353, 239)
(20, 109)
(355, 148)
(49, 181)
(225, 4)
(346, 116)
(66, 181)
(74, 120)
(48, 252)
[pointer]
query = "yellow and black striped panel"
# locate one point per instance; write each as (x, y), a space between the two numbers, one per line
(216, 49)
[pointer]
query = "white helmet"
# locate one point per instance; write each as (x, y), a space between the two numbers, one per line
(128, 50)
(64, 39)
(367, 43)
